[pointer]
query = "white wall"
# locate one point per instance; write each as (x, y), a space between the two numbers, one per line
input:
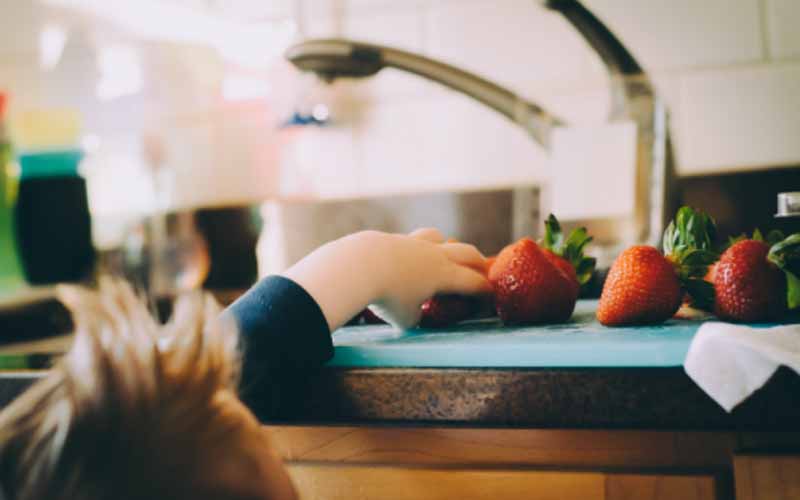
(729, 71)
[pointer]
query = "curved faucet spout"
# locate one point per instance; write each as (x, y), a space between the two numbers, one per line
(334, 58)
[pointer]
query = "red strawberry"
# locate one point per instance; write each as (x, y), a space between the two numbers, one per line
(493, 258)
(529, 288)
(710, 274)
(748, 287)
(445, 310)
(490, 262)
(642, 287)
(564, 266)
(645, 287)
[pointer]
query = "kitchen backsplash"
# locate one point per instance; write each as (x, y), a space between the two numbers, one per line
(729, 71)
(292, 229)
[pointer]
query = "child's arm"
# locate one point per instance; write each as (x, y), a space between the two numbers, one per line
(286, 321)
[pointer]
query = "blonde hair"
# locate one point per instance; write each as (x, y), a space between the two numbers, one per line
(133, 410)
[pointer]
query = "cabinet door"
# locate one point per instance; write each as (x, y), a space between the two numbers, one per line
(659, 487)
(365, 482)
(767, 477)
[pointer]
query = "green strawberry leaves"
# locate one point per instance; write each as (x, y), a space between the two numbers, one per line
(571, 248)
(553, 236)
(772, 237)
(786, 255)
(694, 262)
(792, 290)
(585, 269)
(732, 240)
(690, 229)
(689, 241)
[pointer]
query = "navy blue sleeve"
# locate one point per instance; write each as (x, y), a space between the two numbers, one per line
(282, 329)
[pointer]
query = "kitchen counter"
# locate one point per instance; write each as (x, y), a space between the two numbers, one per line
(575, 375)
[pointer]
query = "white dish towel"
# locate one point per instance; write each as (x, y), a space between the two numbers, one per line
(729, 362)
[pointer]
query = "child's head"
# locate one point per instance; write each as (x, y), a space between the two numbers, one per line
(137, 410)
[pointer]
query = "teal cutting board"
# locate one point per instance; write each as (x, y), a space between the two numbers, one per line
(582, 342)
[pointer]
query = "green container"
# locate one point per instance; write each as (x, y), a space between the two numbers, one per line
(11, 272)
(49, 164)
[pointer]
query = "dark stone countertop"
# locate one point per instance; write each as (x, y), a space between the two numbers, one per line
(597, 398)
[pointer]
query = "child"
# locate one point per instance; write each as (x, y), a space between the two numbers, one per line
(137, 410)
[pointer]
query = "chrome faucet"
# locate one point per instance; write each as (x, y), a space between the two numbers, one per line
(632, 98)
(334, 58)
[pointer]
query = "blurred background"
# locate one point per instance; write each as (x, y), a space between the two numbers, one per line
(207, 159)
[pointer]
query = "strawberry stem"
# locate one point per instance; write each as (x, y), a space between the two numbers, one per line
(689, 242)
(571, 249)
(786, 255)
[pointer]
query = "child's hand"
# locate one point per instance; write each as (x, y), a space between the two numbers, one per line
(394, 272)
(423, 264)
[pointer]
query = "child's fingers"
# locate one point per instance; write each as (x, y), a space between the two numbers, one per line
(463, 280)
(430, 234)
(466, 255)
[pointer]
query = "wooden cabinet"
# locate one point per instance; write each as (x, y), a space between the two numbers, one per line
(767, 477)
(363, 463)
(660, 487)
(404, 463)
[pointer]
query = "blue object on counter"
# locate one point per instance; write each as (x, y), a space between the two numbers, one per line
(581, 343)
(298, 120)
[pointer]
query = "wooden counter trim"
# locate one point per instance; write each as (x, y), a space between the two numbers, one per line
(329, 482)
(363, 482)
(512, 447)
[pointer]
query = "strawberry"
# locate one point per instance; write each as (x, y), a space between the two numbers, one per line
(712, 269)
(492, 259)
(529, 288)
(642, 287)
(747, 286)
(754, 281)
(490, 262)
(645, 287)
(445, 310)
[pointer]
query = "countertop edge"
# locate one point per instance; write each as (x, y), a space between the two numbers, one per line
(565, 398)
